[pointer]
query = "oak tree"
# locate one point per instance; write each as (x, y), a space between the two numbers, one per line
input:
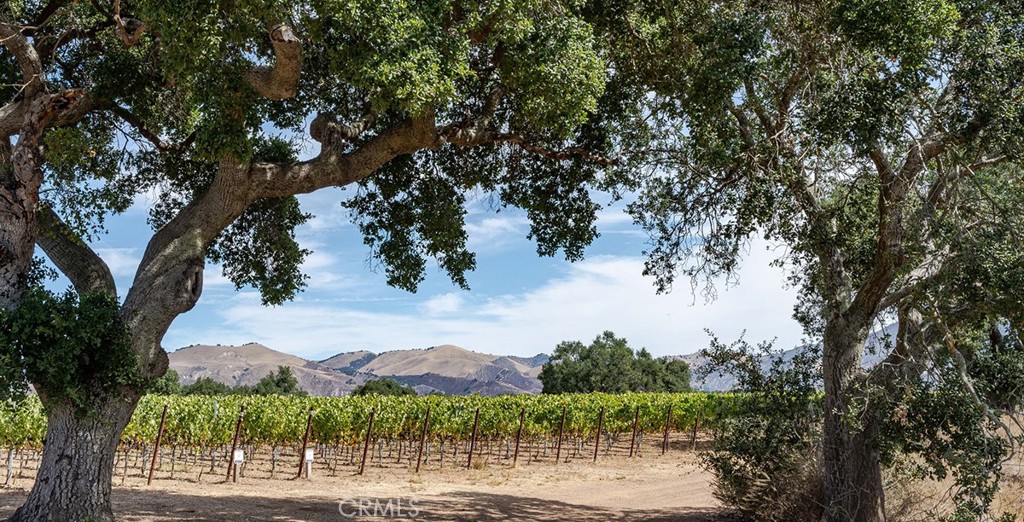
(418, 103)
(879, 142)
(384, 386)
(609, 365)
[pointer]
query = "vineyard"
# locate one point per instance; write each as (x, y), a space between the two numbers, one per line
(200, 432)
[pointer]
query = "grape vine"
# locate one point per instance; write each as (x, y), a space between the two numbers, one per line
(206, 421)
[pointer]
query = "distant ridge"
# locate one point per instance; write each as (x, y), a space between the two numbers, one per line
(446, 369)
(247, 364)
(349, 362)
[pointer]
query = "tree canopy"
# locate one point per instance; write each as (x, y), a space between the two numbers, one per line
(609, 365)
(225, 111)
(192, 90)
(169, 384)
(880, 144)
(206, 386)
(383, 387)
(281, 382)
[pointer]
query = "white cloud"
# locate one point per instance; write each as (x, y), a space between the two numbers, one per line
(444, 304)
(613, 216)
(614, 220)
(213, 277)
(496, 232)
(318, 260)
(328, 217)
(123, 262)
(605, 293)
(610, 294)
(326, 273)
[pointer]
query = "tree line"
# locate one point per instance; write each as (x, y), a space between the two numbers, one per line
(609, 365)
(280, 382)
(606, 365)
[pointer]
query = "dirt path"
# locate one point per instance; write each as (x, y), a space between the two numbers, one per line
(660, 489)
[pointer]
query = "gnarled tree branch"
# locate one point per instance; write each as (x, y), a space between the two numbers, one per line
(19, 195)
(6, 150)
(282, 80)
(169, 278)
(26, 56)
(333, 169)
(86, 270)
(129, 38)
(12, 115)
(889, 253)
(51, 10)
(147, 133)
(327, 130)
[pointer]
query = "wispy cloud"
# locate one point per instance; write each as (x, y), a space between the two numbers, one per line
(496, 232)
(213, 277)
(443, 304)
(606, 293)
(123, 262)
(328, 215)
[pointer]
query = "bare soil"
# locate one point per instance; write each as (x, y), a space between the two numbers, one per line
(659, 488)
(654, 487)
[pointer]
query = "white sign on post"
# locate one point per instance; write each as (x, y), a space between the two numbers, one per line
(309, 454)
(238, 457)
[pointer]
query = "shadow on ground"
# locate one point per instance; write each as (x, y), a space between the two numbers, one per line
(162, 506)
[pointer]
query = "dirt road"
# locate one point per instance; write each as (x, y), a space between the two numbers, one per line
(661, 489)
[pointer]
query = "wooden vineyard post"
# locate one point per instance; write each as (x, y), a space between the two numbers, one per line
(519, 434)
(125, 475)
(668, 423)
(305, 443)
(636, 422)
(472, 440)
(561, 429)
(156, 448)
(423, 439)
(232, 466)
(597, 439)
(693, 436)
(10, 467)
(366, 444)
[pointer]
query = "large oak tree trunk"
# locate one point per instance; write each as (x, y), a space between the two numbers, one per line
(853, 475)
(74, 479)
(19, 197)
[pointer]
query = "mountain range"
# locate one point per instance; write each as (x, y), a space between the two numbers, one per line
(446, 369)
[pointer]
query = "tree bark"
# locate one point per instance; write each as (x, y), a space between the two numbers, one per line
(76, 471)
(853, 474)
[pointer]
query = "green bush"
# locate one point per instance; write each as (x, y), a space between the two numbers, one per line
(765, 458)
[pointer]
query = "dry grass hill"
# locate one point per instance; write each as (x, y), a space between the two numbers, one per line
(247, 364)
(446, 369)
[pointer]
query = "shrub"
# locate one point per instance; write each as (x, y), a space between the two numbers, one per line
(766, 460)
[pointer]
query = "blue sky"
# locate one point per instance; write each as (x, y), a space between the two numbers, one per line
(519, 303)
